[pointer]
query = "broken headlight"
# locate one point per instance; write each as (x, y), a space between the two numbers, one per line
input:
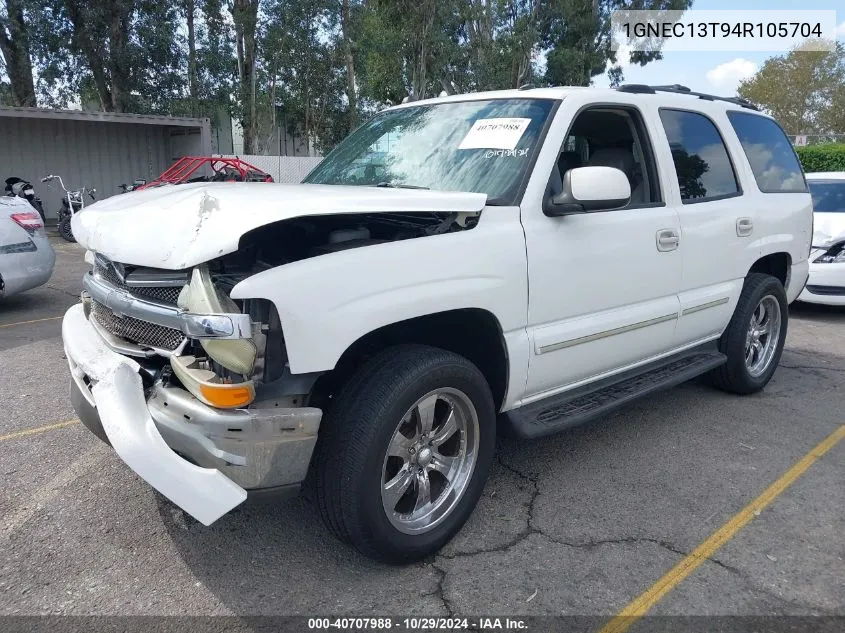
(833, 255)
(207, 305)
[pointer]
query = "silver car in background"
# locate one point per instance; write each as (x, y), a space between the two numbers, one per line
(26, 257)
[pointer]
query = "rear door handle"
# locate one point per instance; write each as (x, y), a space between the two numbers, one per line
(744, 227)
(667, 240)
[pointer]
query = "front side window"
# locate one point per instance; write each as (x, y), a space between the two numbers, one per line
(610, 137)
(701, 159)
(478, 146)
(828, 195)
(773, 161)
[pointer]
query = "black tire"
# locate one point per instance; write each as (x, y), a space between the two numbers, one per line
(347, 469)
(64, 229)
(734, 375)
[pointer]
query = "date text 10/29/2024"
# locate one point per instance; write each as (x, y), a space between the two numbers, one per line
(417, 624)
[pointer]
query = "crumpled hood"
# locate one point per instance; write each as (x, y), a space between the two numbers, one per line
(828, 228)
(179, 226)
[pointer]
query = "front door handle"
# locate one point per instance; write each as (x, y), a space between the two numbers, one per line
(667, 240)
(744, 227)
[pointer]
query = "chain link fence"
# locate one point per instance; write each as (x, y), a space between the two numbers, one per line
(281, 168)
(802, 140)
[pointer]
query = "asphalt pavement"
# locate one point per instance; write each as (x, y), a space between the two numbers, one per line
(578, 524)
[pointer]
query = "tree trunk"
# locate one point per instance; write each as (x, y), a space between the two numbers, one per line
(109, 67)
(120, 14)
(348, 48)
(245, 16)
(15, 48)
(193, 80)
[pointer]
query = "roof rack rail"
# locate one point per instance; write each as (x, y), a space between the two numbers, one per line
(683, 90)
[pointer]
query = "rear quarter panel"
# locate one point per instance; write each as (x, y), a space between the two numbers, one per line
(783, 222)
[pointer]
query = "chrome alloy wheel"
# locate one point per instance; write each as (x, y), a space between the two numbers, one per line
(430, 460)
(761, 340)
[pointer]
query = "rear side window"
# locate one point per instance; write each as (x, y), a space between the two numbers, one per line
(701, 159)
(773, 161)
(828, 195)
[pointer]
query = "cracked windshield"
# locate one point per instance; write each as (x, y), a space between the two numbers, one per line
(478, 146)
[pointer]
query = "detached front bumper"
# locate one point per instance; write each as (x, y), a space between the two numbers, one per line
(201, 458)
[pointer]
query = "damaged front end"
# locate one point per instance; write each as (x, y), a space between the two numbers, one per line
(188, 386)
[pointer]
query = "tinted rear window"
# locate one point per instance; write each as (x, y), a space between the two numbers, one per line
(701, 159)
(773, 161)
(828, 196)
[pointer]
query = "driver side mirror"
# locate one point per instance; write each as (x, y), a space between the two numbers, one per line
(48, 178)
(587, 189)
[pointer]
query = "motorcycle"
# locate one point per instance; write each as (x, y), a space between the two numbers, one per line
(23, 189)
(72, 203)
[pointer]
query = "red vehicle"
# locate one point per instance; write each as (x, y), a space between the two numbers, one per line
(223, 170)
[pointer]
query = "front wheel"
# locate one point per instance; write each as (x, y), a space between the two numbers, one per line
(64, 228)
(404, 452)
(754, 338)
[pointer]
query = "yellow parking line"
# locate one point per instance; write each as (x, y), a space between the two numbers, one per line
(645, 601)
(38, 429)
(31, 321)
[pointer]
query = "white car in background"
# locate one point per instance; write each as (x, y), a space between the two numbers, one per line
(26, 257)
(827, 259)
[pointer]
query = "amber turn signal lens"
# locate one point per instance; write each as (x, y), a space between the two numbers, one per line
(227, 396)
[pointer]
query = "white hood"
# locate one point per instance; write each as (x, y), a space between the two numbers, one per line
(178, 226)
(828, 228)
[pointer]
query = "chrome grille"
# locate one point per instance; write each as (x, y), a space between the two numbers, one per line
(136, 331)
(168, 294)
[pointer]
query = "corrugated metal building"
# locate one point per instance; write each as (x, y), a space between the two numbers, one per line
(94, 149)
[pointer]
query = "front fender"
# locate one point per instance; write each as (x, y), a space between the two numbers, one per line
(328, 302)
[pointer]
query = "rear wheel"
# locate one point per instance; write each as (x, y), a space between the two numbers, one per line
(64, 229)
(404, 452)
(754, 338)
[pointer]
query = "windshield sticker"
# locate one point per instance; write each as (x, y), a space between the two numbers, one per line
(491, 153)
(495, 134)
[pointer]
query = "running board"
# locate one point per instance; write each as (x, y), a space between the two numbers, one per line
(575, 407)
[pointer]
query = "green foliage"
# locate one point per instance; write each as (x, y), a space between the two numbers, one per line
(320, 66)
(578, 36)
(829, 157)
(804, 90)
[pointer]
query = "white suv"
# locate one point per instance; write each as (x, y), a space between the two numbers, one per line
(516, 261)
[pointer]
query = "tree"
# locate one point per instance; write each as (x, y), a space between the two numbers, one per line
(412, 48)
(245, 17)
(189, 8)
(305, 68)
(124, 54)
(347, 29)
(578, 36)
(502, 39)
(101, 33)
(803, 89)
(15, 47)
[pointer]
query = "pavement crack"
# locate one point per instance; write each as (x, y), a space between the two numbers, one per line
(523, 534)
(440, 591)
(811, 367)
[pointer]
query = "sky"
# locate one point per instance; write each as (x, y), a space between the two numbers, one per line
(719, 72)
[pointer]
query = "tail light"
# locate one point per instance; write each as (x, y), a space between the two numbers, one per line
(30, 221)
